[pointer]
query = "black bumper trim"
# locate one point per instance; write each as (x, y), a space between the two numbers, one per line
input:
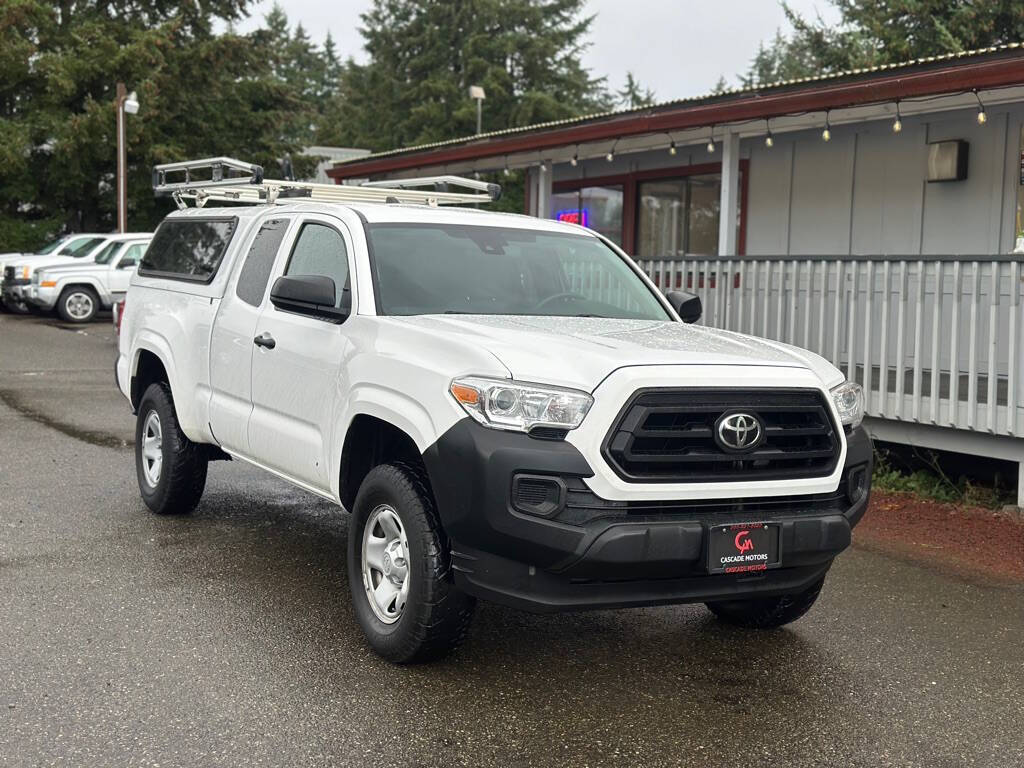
(615, 560)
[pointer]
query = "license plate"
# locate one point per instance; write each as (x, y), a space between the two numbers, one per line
(743, 547)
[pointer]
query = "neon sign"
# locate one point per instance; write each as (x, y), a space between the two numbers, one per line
(574, 216)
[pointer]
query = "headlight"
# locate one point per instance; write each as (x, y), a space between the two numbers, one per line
(505, 404)
(849, 400)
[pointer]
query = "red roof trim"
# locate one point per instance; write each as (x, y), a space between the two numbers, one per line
(889, 87)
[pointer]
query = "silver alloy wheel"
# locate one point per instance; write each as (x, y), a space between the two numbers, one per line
(79, 305)
(385, 564)
(152, 449)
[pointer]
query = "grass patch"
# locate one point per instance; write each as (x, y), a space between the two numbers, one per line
(929, 481)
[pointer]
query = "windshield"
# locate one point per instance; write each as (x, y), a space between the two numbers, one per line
(51, 247)
(81, 246)
(108, 253)
(438, 269)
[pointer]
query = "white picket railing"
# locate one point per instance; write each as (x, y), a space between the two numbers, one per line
(934, 340)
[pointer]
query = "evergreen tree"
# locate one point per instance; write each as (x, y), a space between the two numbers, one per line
(632, 96)
(424, 55)
(873, 32)
(201, 94)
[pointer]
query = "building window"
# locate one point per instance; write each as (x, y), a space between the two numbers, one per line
(678, 216)
(598, 207)
(661, 213)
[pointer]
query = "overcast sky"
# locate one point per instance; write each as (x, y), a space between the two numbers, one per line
(676, 47)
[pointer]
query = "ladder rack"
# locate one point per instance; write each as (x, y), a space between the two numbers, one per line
(224, 179)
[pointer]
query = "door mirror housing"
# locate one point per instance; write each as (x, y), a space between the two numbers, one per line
(127, 265)
(310, 295)
(687, 305)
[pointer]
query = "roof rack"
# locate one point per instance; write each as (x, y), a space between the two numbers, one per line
(224, 179)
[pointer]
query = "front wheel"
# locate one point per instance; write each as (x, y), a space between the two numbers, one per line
(402, 595)
(171, 469)
(767, 612)
(78, 304)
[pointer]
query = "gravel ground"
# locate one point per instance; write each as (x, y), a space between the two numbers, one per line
(977, 543)
(226, 638)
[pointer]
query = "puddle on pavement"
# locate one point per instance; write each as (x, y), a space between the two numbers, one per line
(93, 437)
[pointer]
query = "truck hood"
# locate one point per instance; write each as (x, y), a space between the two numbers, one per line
(76, 267)
(580, 352)
(35, 261)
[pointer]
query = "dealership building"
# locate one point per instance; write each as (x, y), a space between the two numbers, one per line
(874, 216)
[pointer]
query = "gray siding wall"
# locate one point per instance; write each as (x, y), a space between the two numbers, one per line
(865, 192)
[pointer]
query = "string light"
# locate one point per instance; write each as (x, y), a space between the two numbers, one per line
(826, 135)
(769, 140)
(575, 157)
(982, 117)
(507, 172)
(671, 145)
(543, 165)
(711, 141)
(611, 152)
(897, 124)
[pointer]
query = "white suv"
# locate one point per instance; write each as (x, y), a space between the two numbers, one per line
(80, 289)
(507, 406)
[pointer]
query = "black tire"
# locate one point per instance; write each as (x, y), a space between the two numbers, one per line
(182, 473)
(81, 296)
(436, 616)
(767, 612)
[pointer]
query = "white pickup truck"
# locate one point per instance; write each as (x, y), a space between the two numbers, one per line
(80, 289)
(507, 406)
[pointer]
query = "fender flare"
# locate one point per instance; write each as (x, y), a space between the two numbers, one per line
(68, 282)
(156, 345)
(389, 405)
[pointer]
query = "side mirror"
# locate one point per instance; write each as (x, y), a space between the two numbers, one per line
(686, 305)
(311, 295)
(127, 265)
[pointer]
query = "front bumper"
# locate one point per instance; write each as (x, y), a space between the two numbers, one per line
(593, 553)
(15, 290)
(44, 298)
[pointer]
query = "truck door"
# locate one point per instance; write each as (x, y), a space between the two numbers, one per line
(298, 361)
(121, 272)
(231, 344)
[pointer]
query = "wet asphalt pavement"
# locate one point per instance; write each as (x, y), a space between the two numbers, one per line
(227, 638)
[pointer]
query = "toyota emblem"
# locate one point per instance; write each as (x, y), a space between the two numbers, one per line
(739, 432)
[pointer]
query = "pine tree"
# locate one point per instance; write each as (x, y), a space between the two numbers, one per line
(633, 96)
(424, 55)
(201, 94)
(873, 32)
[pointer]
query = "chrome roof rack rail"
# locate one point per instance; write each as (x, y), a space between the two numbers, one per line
(224, 179)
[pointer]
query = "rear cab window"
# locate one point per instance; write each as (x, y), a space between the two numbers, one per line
(189, 249)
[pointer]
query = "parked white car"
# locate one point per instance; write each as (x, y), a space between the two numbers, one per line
(507, 406)
(81, 249)
(62, 245)
(78, 291)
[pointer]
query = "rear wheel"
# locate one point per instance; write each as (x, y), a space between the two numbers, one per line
(78, 304)
(402, 595)
(171, 469)
(767, 612)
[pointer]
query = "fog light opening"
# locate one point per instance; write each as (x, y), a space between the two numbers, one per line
(856, 484)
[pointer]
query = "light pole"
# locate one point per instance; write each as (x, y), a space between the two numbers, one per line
(125, 102)
(477, 92)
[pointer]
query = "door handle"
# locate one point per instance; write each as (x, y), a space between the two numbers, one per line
(265, 340)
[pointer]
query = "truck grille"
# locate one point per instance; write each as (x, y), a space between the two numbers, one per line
(668, 435)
